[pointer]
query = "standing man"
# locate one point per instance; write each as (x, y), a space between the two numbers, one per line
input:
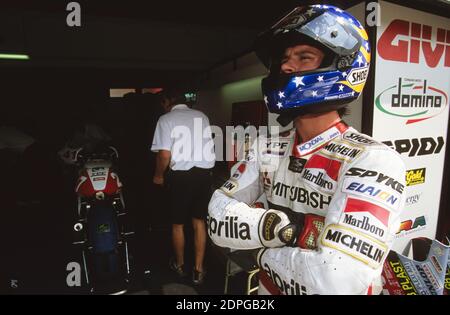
(184, 144)
(334, 195)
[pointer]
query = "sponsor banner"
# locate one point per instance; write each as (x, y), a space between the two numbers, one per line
(376, 176)
(355, 244)
(417, 147)
(296, 165)
(301, 195)
(411, 226)
(229, 228)
(239, 171)
(404, 276)
(318, 141)
(411, 107)
(322, 173)
(413, 199)
(415, 177)
(283, 286)
(447, 275)
(359, 139)
(331, 167)
(365, 217)
(276, 148)
(357, 206)
(341, 151)
(372, 191)
(415, 100)
(229, 187)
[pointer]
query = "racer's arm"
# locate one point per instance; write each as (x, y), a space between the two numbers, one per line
(232, 222)
(359, 230)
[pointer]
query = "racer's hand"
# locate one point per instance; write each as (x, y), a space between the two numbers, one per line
(276, 230)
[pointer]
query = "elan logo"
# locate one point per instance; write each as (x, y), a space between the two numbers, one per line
(412, 99)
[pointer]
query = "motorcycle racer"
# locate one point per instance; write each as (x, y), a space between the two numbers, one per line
(334, 195)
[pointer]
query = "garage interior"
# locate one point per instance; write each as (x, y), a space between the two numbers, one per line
(106, 71)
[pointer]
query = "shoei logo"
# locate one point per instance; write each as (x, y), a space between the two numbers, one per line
(406, 42)
(357, 76)
(412, 99)
(410, 226)
(415, 177)
(416, 146)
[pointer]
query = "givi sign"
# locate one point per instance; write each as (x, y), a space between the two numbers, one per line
(405, 41)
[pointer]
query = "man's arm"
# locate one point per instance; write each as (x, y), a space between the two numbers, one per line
(162, 143)
(232, 222)
(162, 163)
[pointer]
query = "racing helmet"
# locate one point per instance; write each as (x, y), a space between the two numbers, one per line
(339, 79)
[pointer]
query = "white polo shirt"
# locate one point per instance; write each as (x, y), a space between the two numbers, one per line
(186, 133)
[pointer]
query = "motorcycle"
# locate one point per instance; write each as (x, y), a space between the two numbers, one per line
(102, 229)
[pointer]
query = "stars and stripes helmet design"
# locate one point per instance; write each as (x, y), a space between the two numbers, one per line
(338, 80)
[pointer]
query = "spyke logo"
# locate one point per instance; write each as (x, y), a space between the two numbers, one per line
(413, 100)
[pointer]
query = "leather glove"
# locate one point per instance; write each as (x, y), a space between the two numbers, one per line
(276, 230)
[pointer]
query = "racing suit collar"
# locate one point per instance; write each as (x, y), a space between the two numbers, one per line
(301, 149)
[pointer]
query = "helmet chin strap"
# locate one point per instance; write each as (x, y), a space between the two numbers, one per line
(284, 119)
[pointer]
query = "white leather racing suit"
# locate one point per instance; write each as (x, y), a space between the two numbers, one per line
(346, 188)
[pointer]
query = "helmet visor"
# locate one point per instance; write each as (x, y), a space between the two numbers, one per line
(335, 32)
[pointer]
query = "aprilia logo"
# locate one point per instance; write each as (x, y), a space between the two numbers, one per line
(417, 147)
(288, 288)
(380, 178)
(230, 228)
(418, 42)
